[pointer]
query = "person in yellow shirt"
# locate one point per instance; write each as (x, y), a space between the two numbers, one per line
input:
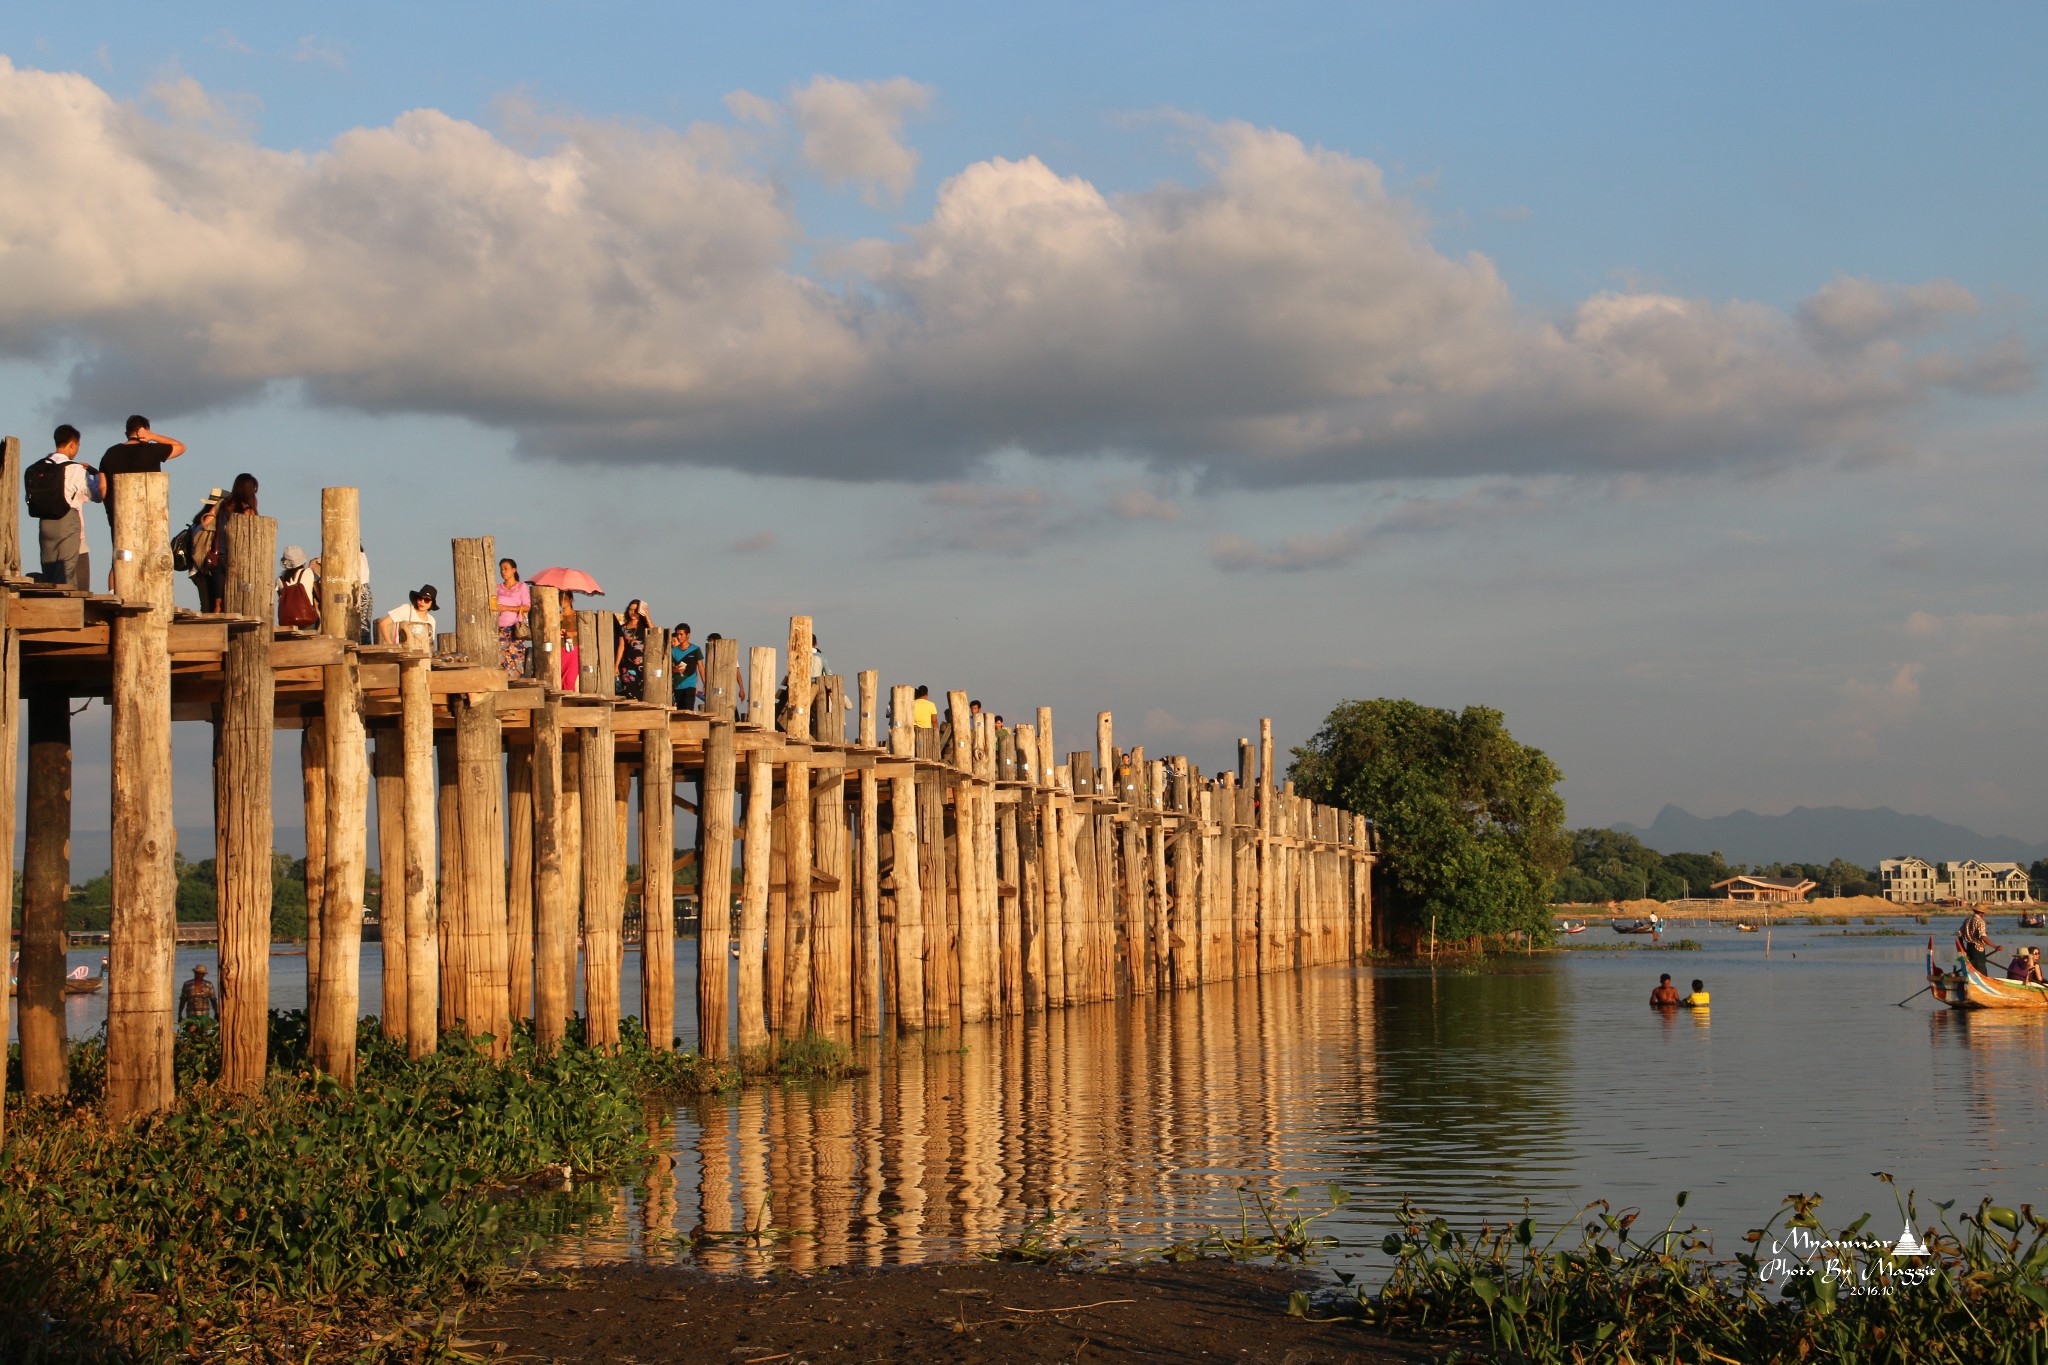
(1699, 998)
(924, 712)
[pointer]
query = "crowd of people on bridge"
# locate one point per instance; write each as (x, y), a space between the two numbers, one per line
(60, 485)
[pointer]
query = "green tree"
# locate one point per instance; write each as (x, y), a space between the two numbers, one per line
(1470, 820)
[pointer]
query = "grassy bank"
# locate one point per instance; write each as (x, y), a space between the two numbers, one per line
(305, 1221)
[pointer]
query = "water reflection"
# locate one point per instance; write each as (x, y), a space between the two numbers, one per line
(1546, 1081)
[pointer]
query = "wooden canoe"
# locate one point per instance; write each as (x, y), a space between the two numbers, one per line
(1636, 926)
(84, 985)
(1963, 987)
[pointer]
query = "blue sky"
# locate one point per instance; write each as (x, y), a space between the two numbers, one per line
(1663, 376)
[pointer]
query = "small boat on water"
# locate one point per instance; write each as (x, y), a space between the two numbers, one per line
(1638, 926)
(1963, 987)
(84, 985)
(1742, 928)
(2034, 921)
(1571, 926)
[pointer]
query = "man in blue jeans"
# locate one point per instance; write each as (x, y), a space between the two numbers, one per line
(684, 658)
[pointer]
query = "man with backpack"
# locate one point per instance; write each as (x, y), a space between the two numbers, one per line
(58, 488)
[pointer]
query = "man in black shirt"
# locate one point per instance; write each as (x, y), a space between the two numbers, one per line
(144, 452)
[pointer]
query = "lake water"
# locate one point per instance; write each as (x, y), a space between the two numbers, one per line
(1543, 1079)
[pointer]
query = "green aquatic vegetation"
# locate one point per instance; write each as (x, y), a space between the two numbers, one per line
(1797, 1293)
(803, 1059)
(305, 1221)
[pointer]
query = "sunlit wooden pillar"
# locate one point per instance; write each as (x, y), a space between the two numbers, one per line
(485, 1004)
(45, 886)
(867, 904)
(244, 741)
(603, 948)
(831, 994)
(140, 1021)
(387, 772)
(658, 851)
(756, 857)
(905, 873)
(421, 891)
(792, 1018)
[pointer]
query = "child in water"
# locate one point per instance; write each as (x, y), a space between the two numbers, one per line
(1699, 999)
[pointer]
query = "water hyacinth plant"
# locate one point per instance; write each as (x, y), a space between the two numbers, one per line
(305, 1221)
(1796, 1293)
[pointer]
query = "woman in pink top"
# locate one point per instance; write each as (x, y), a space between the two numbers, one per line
(571, 664)
(514, 600)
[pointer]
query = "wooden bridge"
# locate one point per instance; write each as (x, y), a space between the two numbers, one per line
(901, 877)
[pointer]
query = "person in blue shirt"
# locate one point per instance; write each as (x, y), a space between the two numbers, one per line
(684, 659)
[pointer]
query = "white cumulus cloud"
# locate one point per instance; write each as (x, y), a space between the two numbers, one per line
(596, 287)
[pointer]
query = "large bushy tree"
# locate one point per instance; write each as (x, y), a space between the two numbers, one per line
(1470, 820)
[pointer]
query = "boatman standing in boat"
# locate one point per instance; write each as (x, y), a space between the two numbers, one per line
(197, 997)
(1974, 938)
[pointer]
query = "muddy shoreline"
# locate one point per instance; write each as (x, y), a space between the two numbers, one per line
(968, 1311)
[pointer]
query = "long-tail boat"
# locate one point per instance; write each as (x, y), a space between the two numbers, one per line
(1963, 987)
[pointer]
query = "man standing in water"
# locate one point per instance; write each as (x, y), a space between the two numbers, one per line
(197, 998)
(1974, 938)
(1666, 994)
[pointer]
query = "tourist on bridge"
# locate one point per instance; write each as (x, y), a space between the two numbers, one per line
(144, 452)
(514, 600)
(572, 658)
(684, 660)
(197, 999)
(629, 648)
(209, 541)
(1973, 940)
(407, 623)
(923, 710)
(1666, 994)
(59, 485)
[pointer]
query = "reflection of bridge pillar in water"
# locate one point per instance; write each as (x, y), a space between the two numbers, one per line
(868, 1127)
(980, 1171)
(717, 1193)
(830, 1116)
(904, 1110)
(658, 1208)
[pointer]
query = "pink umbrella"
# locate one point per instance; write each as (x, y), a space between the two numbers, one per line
(568, 580)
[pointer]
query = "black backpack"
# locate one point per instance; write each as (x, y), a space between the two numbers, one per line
(44, 481)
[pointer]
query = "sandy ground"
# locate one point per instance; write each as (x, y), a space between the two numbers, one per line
(1854, 908)
(971, 1311)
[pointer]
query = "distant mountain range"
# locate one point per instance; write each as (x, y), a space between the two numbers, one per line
(1819, 834)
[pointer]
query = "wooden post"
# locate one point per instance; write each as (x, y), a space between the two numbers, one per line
(904, 866)
(1138, 961)
(422, 913)
(1031, 874)
(1052, 944)
(603, 953)
(10, 525)
(831, 980)
(521, 880)
(658, 852)
(988, 915)
(554, 895)
(719, 673)
(971, 941)
(450, 947)
(939, 962)
(792, 1016)
(243, 744)
(572, 863)
(140, 1019)
(1272, 937)
(387, 771)
(756, 855)
(867, 906)
(1009, 880)
(480, 928)
(1081, 904)
(45, 886)
(1162, 899)
(10, 743)
(332, 1046)
(313, 780)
